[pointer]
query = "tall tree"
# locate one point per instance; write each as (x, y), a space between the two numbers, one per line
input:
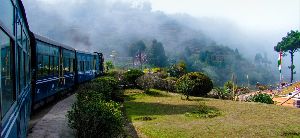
(136, 48)
(156, 54)
(290, 44)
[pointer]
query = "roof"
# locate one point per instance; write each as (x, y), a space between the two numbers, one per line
(83, 52)
(52, 42)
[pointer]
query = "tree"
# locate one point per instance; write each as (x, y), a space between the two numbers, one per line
(194, 84)
(290, 44)
(156, 54)
(136, 47)
(177, 70)
(258, 58)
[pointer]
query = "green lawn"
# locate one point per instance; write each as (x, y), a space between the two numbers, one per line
(163, 114)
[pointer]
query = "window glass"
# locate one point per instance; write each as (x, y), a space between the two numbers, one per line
(7, 14)
(27, 68)
(24, 40)
(46, 65)
(56, 65)
(19, 29)
(40, 65)
(21, 69)
(72, 61)
(66, 65)
(7, 91)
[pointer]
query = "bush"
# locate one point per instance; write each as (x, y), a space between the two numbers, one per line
(149, 81)
(170, 84)
(95, 118)
(108, 86)
(262, 98)
(146, 82)
(131, 76)
(194, 84)
(223, 93)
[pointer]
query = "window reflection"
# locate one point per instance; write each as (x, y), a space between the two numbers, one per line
(7, 94)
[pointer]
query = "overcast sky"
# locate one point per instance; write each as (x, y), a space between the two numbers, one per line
(251, 14)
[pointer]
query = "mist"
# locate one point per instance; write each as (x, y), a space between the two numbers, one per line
(93, 25)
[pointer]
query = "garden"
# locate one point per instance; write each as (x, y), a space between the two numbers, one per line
(159, 102)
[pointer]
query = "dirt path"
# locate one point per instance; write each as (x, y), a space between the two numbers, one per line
(54, 124)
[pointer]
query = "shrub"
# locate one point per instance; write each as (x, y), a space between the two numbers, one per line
(108, 86)
(223, 93)
(170, 84)
(177, 70)
(131, 76)
(96, 118)
(146, 82)
(149, 81)
(262, 98)
(194, 84)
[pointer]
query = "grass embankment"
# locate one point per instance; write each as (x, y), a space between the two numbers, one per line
(164, 114)
(290, 89)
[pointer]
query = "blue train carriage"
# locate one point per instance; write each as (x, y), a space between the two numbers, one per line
(86, 66)
(15, 96)
(54, 69)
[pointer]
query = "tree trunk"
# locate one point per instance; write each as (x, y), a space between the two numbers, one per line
(292, 66)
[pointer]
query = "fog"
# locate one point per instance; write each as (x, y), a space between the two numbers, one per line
(106, 25)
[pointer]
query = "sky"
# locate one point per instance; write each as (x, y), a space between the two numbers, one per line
(249, 14)
(249, 25)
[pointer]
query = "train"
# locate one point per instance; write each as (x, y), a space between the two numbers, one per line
(35, 68)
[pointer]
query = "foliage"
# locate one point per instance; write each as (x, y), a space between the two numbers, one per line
(156, 54)
(131, 76)
(223, 93)
(220, 62)
(177, 70)
(154, 81)
(262, 98)
(109, 65)
(290, 44)
(107, 86)
(228, 85)
(136, 47)
(194, 84)
(94, 114)
(94, 118)
(146, 82)
(170, 84)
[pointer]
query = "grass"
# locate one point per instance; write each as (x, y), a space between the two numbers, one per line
(290, 89)
(164, 115)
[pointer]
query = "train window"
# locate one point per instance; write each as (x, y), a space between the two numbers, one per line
(72, 61)
(66, 65)
(7, 14)
(27, 68)
(81, 65)
(7, 90)
(55, 65)
(46, 65)
(20, 69)
(19, 29)
(24, 39)
(51, 67)
(43, 66)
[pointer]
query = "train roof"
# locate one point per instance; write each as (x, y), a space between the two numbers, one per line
(23, 13)
(52, 42)
(84, 52)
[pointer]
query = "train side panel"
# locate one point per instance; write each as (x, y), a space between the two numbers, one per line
(15, 71)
